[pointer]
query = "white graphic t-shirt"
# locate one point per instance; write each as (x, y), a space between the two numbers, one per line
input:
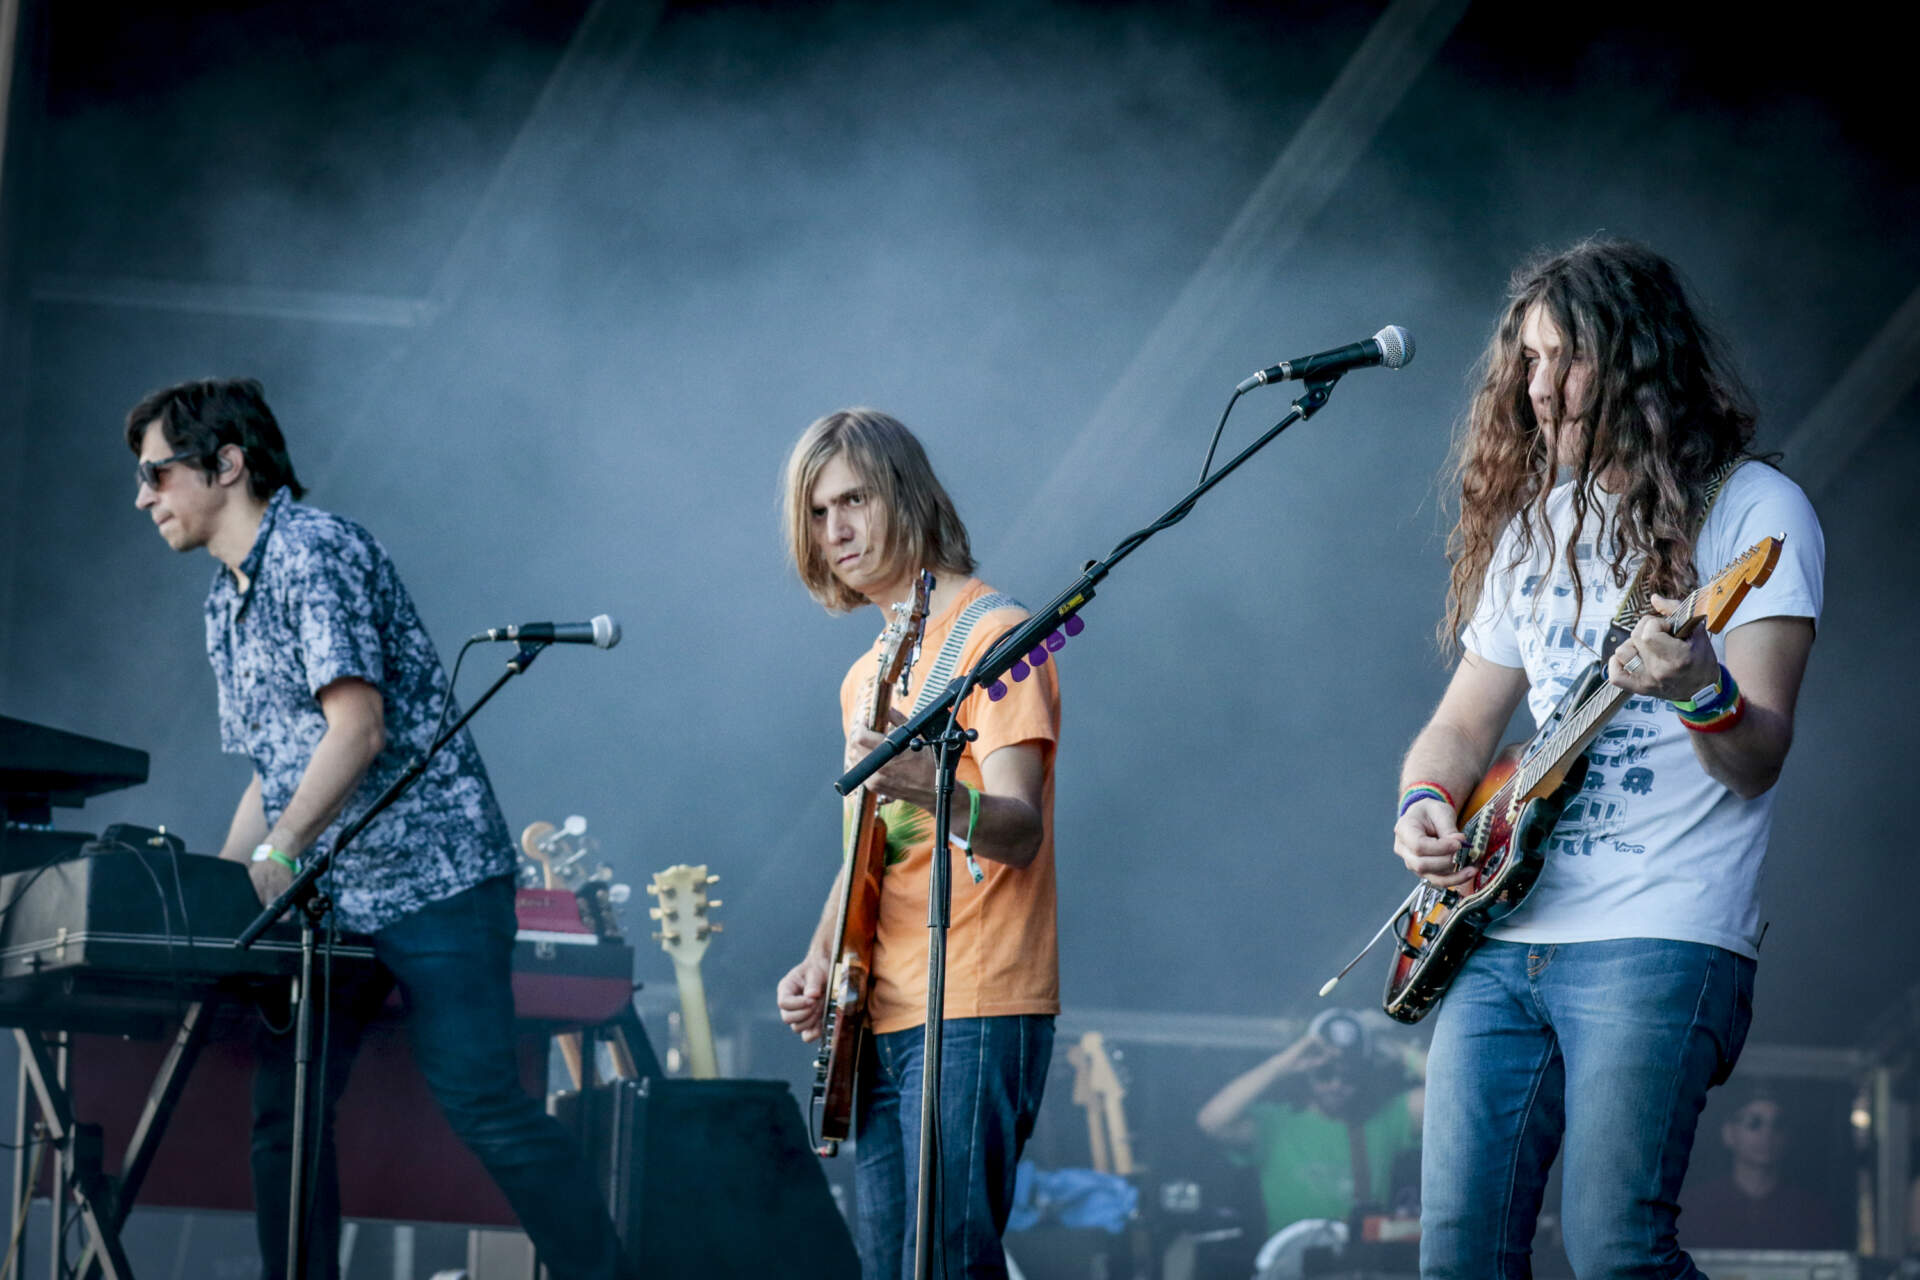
(1652, 847)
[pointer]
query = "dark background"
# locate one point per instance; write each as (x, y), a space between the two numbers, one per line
(542, 292)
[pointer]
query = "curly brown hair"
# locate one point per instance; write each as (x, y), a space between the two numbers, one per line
(1662, 412)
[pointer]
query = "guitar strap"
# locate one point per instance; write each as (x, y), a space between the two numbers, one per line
(1634, 605)
(941, 673)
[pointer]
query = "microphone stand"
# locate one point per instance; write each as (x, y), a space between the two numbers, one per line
(1028, 645)
(304, 893)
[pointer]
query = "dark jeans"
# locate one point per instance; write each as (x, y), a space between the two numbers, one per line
(452, 961)
(992, 1073)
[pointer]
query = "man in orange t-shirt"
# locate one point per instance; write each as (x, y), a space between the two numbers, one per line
(865, 515)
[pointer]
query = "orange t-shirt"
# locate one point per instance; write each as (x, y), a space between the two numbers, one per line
(1003, 950)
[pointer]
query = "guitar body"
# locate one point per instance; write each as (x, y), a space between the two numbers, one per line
(1506, 839)
(838, 1065)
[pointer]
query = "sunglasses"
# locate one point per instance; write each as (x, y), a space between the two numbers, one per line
(149, 472)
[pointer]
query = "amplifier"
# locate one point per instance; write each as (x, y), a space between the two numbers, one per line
(712, 1178)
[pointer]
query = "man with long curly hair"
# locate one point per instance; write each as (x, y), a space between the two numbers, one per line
(1608, 437)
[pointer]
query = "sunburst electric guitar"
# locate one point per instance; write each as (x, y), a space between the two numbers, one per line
(1514, 809)
(864, 854)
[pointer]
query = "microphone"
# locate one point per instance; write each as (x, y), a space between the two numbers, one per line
(1392, 347)
(603, 632)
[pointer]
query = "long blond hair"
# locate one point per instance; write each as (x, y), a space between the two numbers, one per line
(922, 527)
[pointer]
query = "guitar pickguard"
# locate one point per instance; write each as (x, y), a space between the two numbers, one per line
(1441, 927)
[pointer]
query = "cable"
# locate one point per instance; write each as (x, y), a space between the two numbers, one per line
(446, 701)
(166, 912)
(1207, 466)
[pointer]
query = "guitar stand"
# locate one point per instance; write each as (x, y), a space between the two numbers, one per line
(102, 1200)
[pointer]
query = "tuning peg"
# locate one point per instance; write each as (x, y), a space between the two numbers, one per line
(662, 913)
(1019, 670)
(713, 902)
(1038, 655)
(1055, 641)
(713, 879)
(1074, 626)
(652, 890)
(996, 691)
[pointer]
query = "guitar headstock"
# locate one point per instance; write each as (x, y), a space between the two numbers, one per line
(1715, 602)
(562, 857)
(684, 911)
(559, 852)
(1094, 1079)
(900, 642)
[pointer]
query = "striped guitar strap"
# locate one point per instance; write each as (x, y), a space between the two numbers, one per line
(943, 670)
(1634, 605)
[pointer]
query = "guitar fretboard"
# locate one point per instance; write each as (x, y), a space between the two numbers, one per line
(1576, 730)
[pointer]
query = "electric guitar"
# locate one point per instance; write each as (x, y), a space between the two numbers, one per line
(864, 862)
(1511, 813)
(1097, 1088)
(686, 926)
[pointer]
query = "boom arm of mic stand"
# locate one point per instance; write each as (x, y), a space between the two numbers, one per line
(1022, 639)
(303, 881)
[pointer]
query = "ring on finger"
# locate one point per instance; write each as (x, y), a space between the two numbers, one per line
(1633, 663)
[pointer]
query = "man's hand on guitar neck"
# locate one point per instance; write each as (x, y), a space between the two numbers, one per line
(1013, 781)
(1767, 659)
(908, 776)
(1653, 662)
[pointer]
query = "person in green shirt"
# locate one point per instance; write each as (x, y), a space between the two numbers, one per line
(1323, 1115)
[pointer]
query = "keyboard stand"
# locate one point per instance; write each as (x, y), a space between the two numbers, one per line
(102, 1201)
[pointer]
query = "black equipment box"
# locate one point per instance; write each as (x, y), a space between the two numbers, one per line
(711, 1178)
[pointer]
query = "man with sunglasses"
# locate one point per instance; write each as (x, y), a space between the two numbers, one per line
(329, 685)
(1759, 1203)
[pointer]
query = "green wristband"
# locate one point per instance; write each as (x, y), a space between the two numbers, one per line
(266, 852)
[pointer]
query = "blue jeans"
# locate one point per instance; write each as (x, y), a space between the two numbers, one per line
(1605, 1049)
(992, 1071)
(452, 960)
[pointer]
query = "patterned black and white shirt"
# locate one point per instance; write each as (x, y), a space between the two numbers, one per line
(324, 602)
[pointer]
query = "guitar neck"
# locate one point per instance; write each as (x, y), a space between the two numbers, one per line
(702, 1062)
(1579, 728)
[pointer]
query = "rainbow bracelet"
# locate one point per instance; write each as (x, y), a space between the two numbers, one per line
(1718, 721)
(1425, 791)
(1725, 712)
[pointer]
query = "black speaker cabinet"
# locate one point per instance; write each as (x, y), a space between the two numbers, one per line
(711, 1178)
